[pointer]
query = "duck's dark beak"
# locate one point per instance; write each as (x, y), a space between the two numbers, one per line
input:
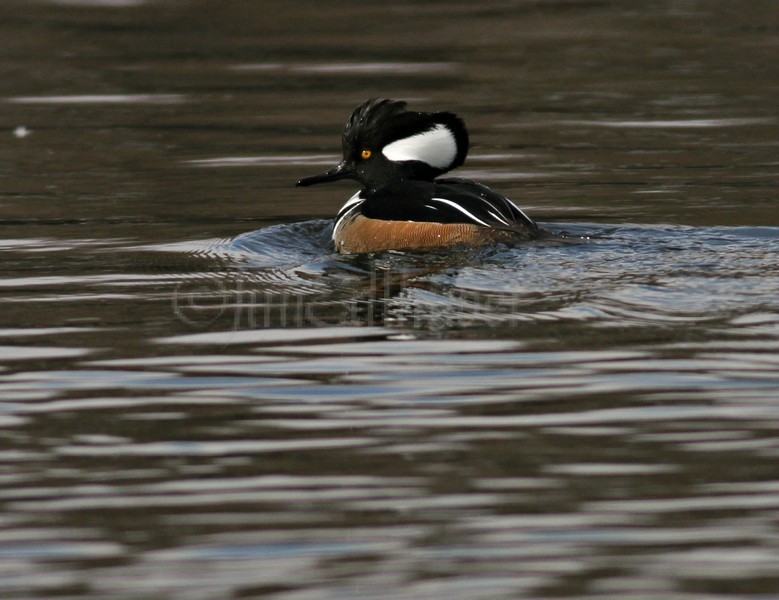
(342, 170)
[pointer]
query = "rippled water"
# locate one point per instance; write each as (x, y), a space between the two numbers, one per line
(200, 399)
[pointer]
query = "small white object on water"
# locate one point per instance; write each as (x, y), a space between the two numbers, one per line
(21, 132)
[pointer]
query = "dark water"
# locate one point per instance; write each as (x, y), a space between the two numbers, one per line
(199, 399)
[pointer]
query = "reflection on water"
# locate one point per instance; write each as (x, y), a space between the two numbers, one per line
(94, 99)
(371, 68)
(200, 399)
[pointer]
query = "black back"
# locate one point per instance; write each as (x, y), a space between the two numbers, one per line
(444, 201)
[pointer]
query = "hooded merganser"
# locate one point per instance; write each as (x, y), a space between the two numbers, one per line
(396, 155)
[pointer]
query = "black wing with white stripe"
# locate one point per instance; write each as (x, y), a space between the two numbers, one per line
(445, 201)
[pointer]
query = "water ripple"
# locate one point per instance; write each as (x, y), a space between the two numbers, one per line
(150, 99)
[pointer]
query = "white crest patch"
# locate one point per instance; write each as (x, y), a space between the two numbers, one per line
(436, 147)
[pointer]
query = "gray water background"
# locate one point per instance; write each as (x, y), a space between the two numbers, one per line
(199, 399)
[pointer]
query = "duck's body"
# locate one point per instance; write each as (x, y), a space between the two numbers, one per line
(397, 155)
(419, 214)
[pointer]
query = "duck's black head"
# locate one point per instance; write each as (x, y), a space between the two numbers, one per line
(383, 143)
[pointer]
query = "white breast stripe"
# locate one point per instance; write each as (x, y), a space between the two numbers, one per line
(461, 209)
(352, 204)
(436, 147)
(353, 200)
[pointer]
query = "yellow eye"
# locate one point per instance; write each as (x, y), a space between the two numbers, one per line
(366, 154)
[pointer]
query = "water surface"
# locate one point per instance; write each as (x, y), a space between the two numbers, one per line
(200, 399)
